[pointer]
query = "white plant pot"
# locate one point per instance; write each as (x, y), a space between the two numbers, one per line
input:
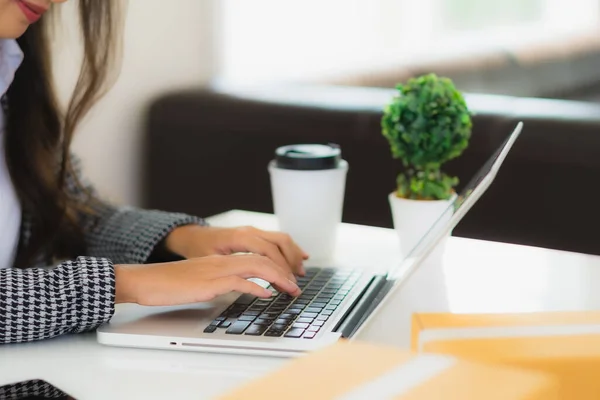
(414, 218)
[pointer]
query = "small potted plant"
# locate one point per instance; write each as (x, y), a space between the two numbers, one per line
(427, 124)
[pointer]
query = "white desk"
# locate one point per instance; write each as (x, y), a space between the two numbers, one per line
(479, 277)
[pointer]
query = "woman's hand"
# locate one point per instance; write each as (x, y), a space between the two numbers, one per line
(200, 241)
(199, 279)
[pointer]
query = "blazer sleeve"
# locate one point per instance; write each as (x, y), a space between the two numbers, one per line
(33, 389)
(38, 303)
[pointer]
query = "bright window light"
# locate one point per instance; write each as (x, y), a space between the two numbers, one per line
(275, 40)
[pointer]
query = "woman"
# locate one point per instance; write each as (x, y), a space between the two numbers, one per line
(66, 258)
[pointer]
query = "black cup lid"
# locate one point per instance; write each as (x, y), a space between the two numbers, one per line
(308, 156)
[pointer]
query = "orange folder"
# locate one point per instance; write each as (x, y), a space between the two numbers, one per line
(352, 370)
(563, 344)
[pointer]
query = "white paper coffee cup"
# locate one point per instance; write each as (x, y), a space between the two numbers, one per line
(308, 184)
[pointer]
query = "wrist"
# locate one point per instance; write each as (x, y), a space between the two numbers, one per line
(180, 239)
(124, 287)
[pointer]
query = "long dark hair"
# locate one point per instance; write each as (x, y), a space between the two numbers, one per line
(38, 135)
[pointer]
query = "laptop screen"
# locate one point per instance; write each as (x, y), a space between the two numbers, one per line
(434, 237)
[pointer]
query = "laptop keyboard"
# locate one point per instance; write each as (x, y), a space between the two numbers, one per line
(323, 290)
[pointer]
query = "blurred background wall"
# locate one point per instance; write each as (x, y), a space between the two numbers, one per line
(168, 46)
(536, 48)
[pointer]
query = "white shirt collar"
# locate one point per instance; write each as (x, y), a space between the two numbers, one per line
(11, 58)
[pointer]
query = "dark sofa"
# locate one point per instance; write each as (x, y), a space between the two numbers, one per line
(206, 151)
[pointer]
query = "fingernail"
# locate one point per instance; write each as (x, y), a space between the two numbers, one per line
(294, 283)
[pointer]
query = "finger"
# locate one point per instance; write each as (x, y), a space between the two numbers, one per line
(236, 284)
(292, 252)
(257, 245)
(265, 269)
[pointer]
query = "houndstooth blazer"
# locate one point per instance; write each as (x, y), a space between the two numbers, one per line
(77, 295)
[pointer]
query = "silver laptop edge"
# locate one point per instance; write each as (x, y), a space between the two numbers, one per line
(398, 277)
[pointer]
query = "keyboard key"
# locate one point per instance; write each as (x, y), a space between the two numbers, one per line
(302, 302)
(318, 323)
(257, 309)
(268, 315)
(247, 318)
(225, 324)
(238, 328)
(283, 321)
(323, 297)
(245, 299)
(322, 317)
(308, 315)
(330, 307)
(319, 305)
(210, 329)
(305, 320)
(256, 330)
(314, 328)
(326, 312)
(300, 325)
(261, 321)
(279, 327)
(220, 319)
(215, 323)
(278, 307)
(294, 333)
(263, 302)
(293, 311)
(309, 335)
(274, 333)
(287, 315)
(253, 313)
(335, 302)
(232, 314)
(313, 310)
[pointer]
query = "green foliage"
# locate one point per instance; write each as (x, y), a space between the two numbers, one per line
(426, 125)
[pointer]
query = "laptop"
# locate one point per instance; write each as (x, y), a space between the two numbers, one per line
(335, 303)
